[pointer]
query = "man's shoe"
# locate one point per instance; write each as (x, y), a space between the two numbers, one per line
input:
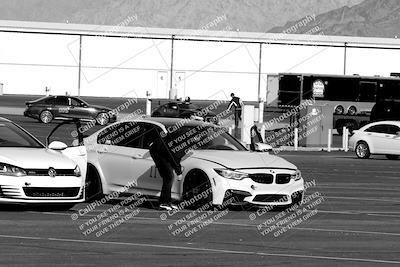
(174, 207)
(165, 207)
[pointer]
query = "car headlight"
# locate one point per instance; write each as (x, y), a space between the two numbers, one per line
(230, 174)
(77, 171)
(10, 170)
(296, 176)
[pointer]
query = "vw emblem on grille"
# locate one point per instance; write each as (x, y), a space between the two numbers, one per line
(52, 172)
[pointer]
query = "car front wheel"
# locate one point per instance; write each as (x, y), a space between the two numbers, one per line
(197, 190)
(46, 116)
(362, 150)
(102, 119)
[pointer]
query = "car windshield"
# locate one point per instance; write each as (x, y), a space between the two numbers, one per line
(13, 136)
(202, 137)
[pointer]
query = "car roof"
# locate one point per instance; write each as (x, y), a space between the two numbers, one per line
(4, 120)
(397, 123)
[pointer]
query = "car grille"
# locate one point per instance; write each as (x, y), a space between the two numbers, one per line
(45, 172)
(262, 178)
(282, 178)
(10, 191)
(271, 198)
(43, 192)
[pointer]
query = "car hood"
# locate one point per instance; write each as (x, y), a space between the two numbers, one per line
(243, 159)
(35, 158)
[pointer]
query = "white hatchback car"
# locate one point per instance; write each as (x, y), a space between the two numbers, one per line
(31, 173)
(118, 155)
(382, 138)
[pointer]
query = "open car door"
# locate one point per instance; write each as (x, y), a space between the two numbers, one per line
(72, 145)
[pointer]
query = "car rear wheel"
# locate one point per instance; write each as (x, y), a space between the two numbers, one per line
(102, 118)
(392, 157)
(93, 186)
(362, 150)
(197, 190)
(46, 116)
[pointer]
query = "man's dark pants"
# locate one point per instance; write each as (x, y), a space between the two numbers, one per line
(167, 174)
(238, 116)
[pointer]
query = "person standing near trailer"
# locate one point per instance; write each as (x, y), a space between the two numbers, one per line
(237, 104)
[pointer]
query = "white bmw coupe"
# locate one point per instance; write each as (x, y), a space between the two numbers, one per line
(118, 156)
(31, 173)
(380, 138)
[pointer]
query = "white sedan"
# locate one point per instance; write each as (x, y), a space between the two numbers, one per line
(382, 138)
(31, 173)
(118, 156)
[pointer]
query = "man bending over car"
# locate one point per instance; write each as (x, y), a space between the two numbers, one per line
(167, 159)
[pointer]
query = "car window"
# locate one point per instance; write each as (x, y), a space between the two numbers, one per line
(110, 135)
(50, 101)
(151, 133)
(393, 129)
(133, 134)
(382, 128)
(12, 136)
(73, 102)
(61, 100)
(127, 134)
(206, 137)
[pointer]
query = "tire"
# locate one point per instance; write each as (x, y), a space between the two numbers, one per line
(102, 118)
(362, 150)
(392, 157)
(195, 184)
(93, 186)
(46, 116)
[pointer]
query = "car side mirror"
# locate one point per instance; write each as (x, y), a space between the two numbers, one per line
(261, 147)
(57, 145)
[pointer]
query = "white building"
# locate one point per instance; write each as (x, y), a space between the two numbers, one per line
(128, 61)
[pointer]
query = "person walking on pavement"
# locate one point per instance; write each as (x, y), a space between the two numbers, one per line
(237, 104)
(167, 159)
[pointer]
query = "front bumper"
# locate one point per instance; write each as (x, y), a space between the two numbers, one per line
(28, 113)
(248, 191)
(41, 190)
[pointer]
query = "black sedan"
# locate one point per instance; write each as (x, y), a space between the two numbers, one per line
(67, 107)
(183, 110)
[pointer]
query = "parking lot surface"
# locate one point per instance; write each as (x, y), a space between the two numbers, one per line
(351, 218)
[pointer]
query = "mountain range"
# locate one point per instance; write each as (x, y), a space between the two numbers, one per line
(377, 18)
(372, 18)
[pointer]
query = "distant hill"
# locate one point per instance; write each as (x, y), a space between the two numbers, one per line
(245, 15)
(371, 18)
